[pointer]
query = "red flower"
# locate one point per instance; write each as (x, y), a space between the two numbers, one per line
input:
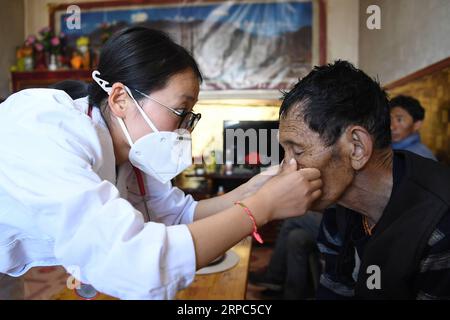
(55, 41)
(39, 47)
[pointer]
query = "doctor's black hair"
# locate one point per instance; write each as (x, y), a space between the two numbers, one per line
(141, 58)
(332, 97)
(410, 105)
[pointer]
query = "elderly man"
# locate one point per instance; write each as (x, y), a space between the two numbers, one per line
(388, 237)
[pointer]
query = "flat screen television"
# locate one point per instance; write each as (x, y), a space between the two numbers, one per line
(251, 143)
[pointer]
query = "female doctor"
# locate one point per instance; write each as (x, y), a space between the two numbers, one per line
(86, 183)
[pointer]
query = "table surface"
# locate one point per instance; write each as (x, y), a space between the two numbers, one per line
(228, 285)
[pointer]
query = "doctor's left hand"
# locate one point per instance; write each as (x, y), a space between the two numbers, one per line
(255, 183)
(211, 206)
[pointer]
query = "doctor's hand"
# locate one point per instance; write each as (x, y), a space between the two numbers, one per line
(287, 194)
(290, 193)
(254, 184)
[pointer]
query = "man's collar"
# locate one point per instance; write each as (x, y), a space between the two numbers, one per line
(408, 141)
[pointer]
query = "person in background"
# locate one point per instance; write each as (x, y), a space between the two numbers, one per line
(407, 116)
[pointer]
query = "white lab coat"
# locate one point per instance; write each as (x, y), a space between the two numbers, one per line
(60, 203)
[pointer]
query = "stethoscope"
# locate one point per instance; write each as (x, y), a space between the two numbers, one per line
(138, 174)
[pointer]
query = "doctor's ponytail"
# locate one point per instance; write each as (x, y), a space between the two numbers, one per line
(140, 58)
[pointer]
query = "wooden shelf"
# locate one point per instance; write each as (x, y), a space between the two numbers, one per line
(45, 78)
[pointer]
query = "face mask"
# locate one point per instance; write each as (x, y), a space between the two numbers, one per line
(160, 154)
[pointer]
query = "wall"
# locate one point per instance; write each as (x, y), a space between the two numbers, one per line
(343, 30)
(9, 39)
(36, 17)
(342, 42)
(342, 24)
(413, 35)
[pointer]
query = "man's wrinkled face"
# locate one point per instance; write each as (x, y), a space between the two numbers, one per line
(309, 151)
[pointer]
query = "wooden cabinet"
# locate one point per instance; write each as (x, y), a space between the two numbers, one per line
(42, 79)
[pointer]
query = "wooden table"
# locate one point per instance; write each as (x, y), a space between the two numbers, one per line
(227, 285)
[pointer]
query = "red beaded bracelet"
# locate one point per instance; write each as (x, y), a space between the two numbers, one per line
(255, 233)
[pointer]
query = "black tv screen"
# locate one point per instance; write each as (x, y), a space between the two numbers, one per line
(253, 143)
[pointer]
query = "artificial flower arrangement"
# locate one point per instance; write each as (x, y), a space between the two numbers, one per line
(81, 58)
(48, 51)
(44, 52)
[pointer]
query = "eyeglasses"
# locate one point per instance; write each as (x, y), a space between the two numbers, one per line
(189, 119)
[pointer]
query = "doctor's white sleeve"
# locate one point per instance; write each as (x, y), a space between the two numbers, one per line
(91, 226)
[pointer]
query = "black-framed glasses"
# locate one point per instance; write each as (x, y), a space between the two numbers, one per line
(189, 119)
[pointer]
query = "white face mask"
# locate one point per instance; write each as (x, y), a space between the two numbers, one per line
(160, 154)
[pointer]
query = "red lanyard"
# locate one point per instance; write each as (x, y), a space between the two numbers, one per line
(90, 111)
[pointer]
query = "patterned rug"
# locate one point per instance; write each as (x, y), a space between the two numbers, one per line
(43, 282)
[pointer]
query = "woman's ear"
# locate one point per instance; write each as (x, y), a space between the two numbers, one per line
(118, 100)
(361, 146)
